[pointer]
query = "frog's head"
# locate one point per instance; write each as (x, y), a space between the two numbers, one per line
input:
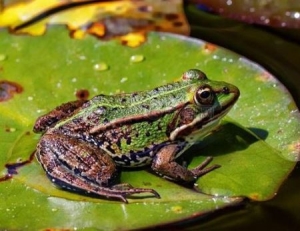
(207, 102)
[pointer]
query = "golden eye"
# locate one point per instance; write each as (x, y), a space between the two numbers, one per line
(204, 96)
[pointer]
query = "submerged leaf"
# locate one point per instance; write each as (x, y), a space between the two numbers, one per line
(273, 13)
(128, 21)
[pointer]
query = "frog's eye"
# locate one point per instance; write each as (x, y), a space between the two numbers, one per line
(204, 96)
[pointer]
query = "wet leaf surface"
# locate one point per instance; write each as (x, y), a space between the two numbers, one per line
(54, 69)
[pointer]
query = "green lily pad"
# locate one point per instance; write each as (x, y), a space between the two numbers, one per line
(255, 157)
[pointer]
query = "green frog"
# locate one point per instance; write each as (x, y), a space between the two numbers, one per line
(86, 142)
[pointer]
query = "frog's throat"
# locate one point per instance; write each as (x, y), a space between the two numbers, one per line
(207, 124)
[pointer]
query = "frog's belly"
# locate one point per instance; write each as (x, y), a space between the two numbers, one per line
(144, 157)
(136, 158)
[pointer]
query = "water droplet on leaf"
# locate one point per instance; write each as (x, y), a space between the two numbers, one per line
(124, 79)
(136, 58)
(3, 57)
(101, 67)
(176, 209)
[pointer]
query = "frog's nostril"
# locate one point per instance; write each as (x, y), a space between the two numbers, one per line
(225, 90)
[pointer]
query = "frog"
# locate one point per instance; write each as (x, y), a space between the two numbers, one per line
(85, 144)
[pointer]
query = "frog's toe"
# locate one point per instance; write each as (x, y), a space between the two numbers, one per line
(127, 189)
(156, 194)
(202, 169)
(142, 190)
(122, 198)
(122, 186)
(152, 191)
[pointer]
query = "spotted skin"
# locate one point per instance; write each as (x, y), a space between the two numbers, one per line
(85, 142)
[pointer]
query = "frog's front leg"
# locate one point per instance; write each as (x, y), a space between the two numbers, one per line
(164, 164)
(50, 119)
(78, 166)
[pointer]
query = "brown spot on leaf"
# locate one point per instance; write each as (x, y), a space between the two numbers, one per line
(13, 167)
(6, 177)
(294, 149)
(124, 42)
(158, 14)
(297, 146)
(97, 29)
(9, 129)
(8, 89)
(147, 183)
(255, 196)
(158, 28)
(177, 24)
(145, 8)
(82, 94)
(171, 17)
(209, 47)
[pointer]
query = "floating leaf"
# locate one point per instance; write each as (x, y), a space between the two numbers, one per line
(127, 21)
(54, 69)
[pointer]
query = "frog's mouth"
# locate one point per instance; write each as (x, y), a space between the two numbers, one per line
(201, 125)
(209, 123)
(216, 113)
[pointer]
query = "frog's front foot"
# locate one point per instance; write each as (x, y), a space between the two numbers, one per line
(202, 169)
(78, 166)
(164, 164)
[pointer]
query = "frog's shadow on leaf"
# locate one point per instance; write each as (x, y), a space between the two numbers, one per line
(229, 138)
(261, 133)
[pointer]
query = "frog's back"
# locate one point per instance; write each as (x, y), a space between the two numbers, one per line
(130, 127)
(112, 107)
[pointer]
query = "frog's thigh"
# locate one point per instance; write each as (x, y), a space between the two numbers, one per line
(77, 166)
(65, 178)
(62, 157)
(57, 114)
(165, 165)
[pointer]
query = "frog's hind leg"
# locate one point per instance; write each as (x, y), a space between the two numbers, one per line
(77, 166)
(51, 118)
